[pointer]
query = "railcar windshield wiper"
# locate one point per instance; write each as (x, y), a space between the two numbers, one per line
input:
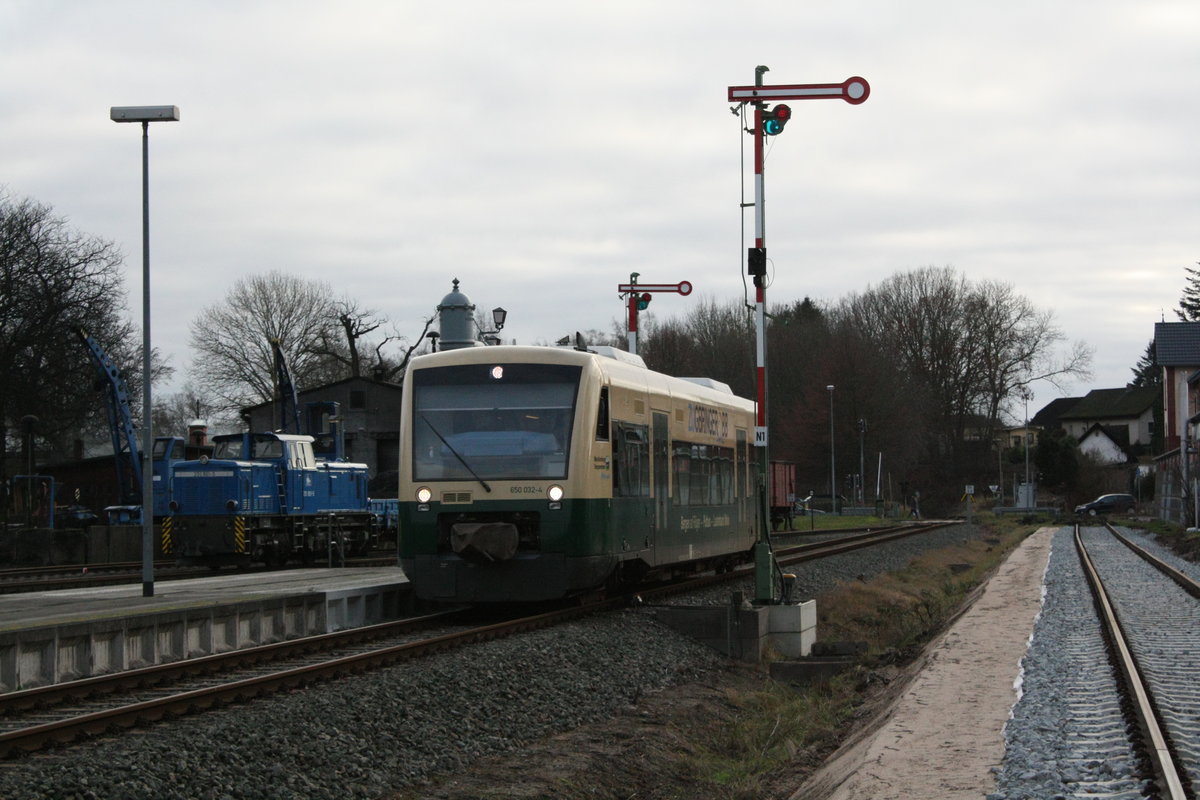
(457, 455)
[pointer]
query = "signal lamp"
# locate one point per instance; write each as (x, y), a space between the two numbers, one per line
(643, 301)
(775, 119)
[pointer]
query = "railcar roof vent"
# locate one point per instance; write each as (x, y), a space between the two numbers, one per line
(616, 354)
(710, 383)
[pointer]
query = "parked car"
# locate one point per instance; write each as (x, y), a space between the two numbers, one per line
(74, 517)
(1108, 504)
(820, 504)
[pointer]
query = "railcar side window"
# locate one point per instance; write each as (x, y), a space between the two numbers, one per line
(743, 460)
(703, 474)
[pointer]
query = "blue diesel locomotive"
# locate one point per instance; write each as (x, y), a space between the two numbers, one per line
(263, 497)
(535, 473)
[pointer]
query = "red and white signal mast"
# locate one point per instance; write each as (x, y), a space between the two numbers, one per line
(770, 121)
(638, 295)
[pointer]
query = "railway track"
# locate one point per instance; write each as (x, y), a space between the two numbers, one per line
(33, 719)
(1149, 612)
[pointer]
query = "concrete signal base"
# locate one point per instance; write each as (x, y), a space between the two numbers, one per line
(746, 632)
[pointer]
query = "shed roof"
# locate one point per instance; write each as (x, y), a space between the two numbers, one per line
(1049, 415)
(1177, 343)
(323, 390)
(1099, 404)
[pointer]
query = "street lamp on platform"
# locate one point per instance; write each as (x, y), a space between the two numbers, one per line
(146, 115)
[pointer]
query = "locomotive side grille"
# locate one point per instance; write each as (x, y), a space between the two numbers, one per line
(200, 494)
(456, 498)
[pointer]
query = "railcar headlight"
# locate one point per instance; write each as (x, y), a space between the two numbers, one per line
(231, 506)
(424, 494)
(173, 505)
(555, 492)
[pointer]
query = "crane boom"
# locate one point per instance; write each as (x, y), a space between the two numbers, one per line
(289, 404)
(120, 423)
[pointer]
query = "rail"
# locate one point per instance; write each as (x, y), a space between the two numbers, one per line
(1167, 773)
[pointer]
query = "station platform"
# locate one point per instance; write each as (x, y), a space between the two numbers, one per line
(50, 637)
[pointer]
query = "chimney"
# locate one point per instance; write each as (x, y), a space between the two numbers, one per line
(198, 433)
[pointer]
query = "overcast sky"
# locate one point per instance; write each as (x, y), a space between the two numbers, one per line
(542, 151)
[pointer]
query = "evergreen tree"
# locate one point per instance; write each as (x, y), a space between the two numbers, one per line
(1146, 372)
(1189, 304)
(1057, 459)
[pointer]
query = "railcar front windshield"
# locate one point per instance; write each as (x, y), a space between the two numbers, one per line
(493, 421)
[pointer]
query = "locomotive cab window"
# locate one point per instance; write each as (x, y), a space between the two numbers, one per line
(160, 449)
(300, 455)
(493, 422)
(267, 448)
(229, 448)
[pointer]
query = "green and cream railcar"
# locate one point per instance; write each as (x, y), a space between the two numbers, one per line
(533, 473)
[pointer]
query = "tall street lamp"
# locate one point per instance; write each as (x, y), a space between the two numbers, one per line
(146, 115)
(832, 461)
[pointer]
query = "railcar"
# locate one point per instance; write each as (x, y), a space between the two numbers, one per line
(536, 473)
(263, 497)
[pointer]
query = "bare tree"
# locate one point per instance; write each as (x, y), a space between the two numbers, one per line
(355, 323)
(232, 338)
(387, 368)
(973, 346)
(1015, 345)
(921, 317)
(54, 279)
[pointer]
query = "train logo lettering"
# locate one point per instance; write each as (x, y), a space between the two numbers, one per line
(711, 421)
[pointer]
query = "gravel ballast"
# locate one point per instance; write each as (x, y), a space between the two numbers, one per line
(369, 735)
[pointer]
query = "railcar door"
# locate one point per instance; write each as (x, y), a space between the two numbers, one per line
(660, 463)
(741, 475)
(632, 506)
